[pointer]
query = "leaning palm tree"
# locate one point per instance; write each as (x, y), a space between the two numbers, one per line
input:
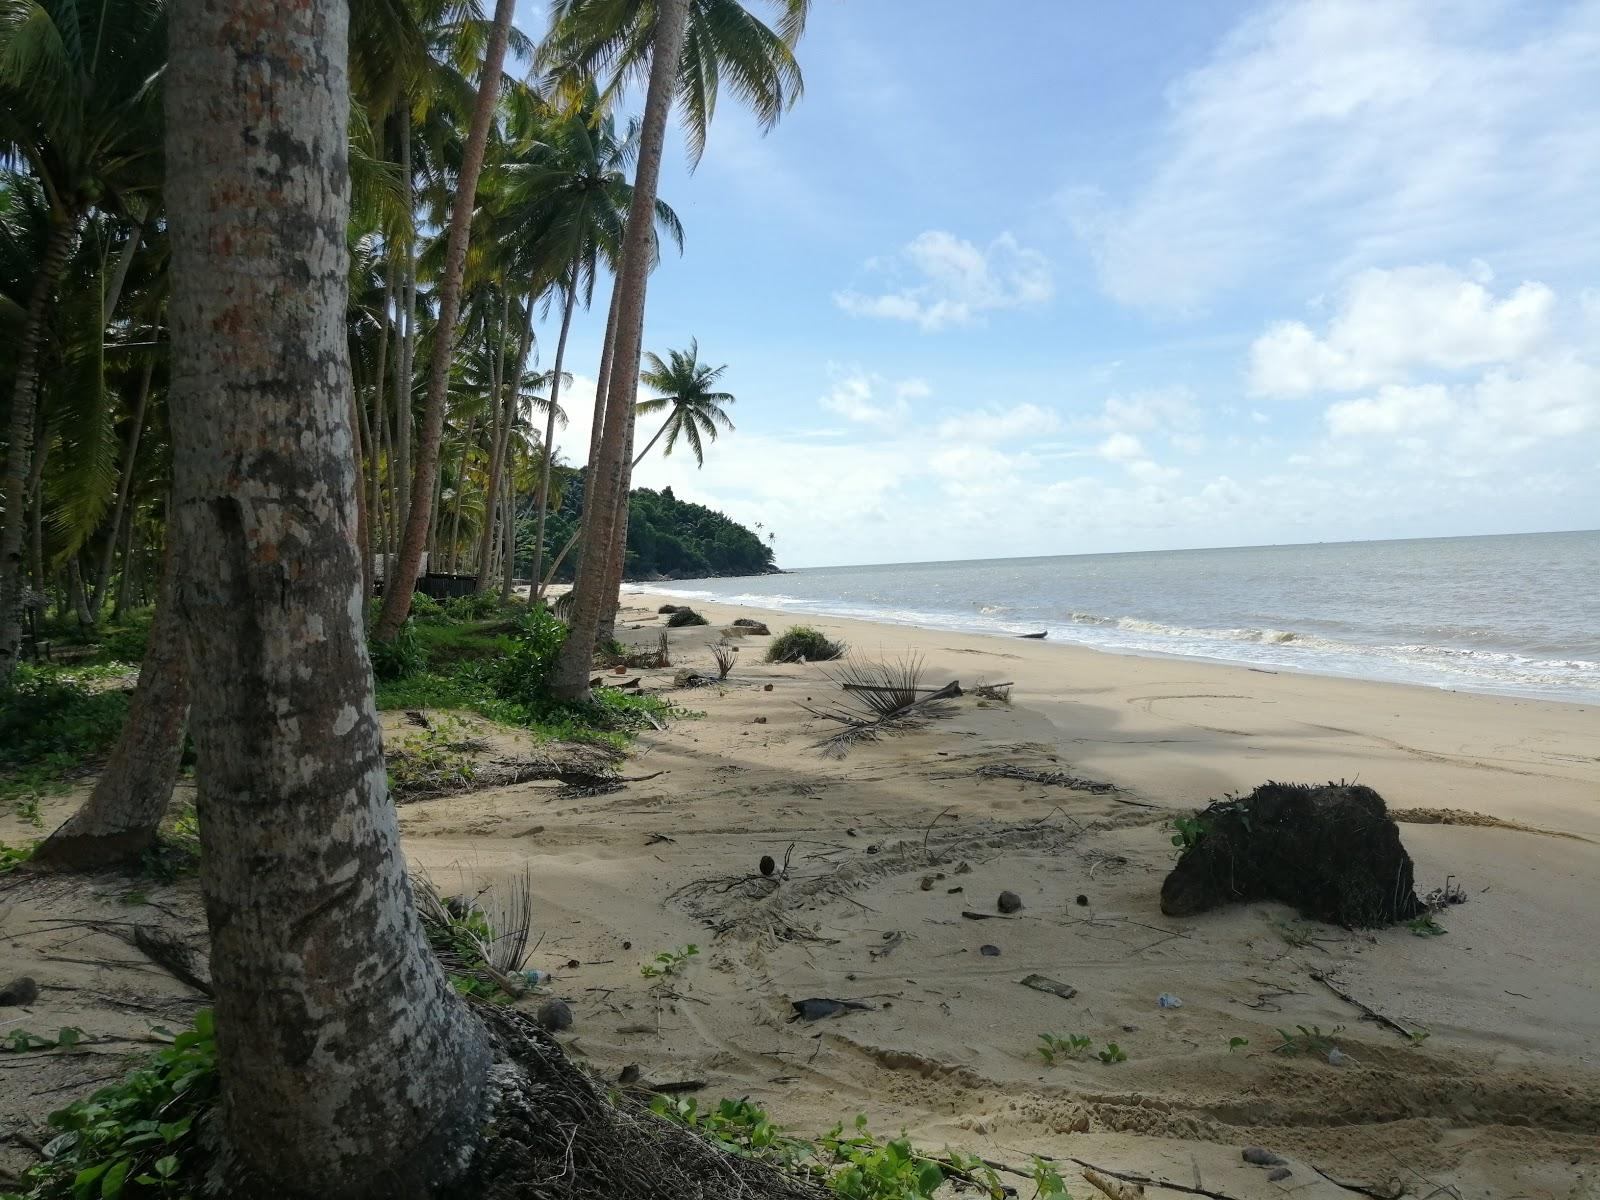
(79, 110)
(694, 411)
(682, 48)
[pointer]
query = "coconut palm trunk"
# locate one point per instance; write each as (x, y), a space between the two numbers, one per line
(548, 449)
(506, 410)
(349, 1068)
(130, 456)
(122, 816)
(571, 676)
(24, 398)
(398, 589)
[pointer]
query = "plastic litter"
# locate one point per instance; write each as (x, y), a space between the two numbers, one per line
(1167, 1000)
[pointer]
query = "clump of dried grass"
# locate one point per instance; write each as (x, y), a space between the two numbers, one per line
(726, 656)
(884, 698)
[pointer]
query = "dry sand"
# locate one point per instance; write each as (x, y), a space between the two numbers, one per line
(1501, 1099)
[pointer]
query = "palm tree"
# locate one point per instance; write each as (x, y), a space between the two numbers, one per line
(401, 581)
(694, 411)
(344, 1055)
(79, 105)
(564, 211)
(683, 48)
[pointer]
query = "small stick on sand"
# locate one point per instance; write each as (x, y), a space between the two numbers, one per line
(1374, 1014)
(1142, 1181)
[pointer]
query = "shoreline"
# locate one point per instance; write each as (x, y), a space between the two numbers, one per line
(1235, 726)
(672, 591)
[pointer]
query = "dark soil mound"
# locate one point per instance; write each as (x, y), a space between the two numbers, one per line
(1332, 852)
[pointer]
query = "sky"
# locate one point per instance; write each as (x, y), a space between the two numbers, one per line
(1051, 278)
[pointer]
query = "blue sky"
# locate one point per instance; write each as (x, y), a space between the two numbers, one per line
(1047, 278)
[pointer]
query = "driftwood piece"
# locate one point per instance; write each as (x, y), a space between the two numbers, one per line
(1052, 987)
(1372, 1013)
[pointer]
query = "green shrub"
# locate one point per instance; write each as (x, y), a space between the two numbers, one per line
(398, 659)
(685, 616)
(525, 676)
(472, 608)
(54, 720)
(425, 608)
(803, 642)
(127, 641)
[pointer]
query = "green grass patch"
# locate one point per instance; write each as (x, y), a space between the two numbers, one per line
(801, 642)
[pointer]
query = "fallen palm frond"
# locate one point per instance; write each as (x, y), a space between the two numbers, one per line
(1052, 778)
(993, 691)
(887, 697)
(725, 655)
(481, 941)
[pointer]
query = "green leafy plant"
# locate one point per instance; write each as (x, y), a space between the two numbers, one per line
(871, 1169)
(1113, 1053)
(1188, 831)
(131, 1139)
(803, 642)
(12, 857)
(53, 720)
(176, 853)
(26, 806)
(399, 658)
(669, 962)
(1072, 1045)
(1237, 1043)
(1307, 1040)
(20, 1040)
(685, 616)
(525, 675)
(438, 759)
(1426, 926)
(1047, 1181)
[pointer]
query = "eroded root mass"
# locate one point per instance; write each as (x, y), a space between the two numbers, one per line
(555, 1137)
(1332, 852)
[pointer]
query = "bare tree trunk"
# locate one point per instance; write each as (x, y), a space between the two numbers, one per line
(550, 428)
(504, 420)
(349, 1068)
(362, 535)
(130, 456)
(508, 527)
(130, 559)
(397, 595)
(24, 398)
(376, 439)
(75, 589)
(571, 676)
(617, 552)
(35, 496)
(455, 503)
(405, 375)
(122, 816)
(119, 274)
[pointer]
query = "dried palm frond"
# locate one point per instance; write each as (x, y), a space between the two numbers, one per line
(725, 656)
(887, 698)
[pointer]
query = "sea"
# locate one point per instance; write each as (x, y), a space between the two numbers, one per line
(1514, 614)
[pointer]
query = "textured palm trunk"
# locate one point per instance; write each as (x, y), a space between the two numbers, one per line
(122, 816)
(357, 442)
(617, 550)
(508, 527)
(550, 430)
(455, 503)
(404, 376)
(130, 455)
(397, 593)
(24, 398)
(119, 273)
(501, 406)
(374, 434)
(571, 676)
(349, 1068)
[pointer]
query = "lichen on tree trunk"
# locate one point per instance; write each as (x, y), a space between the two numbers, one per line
(349, 1067)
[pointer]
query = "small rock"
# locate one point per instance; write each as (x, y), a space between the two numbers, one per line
(964, 869)
(928, 881)
(1009, 902)
(759, 721)
(767, 688)
(1262, 1157)
(21, 990)
(630, 1074)
(872, 849)
(573, 964)
(768, 864)
(989, 951)
(850, 833)
(555, 1016)
(1130, 1029)
(1278, 1173)
(1083, 901)
(954, 891)
(627, 945)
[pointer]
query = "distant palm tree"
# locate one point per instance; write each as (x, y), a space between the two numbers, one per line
(696, 412)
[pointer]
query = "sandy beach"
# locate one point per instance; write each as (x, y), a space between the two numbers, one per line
(1494, 1093)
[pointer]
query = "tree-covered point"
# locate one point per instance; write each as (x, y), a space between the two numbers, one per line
(668, 538)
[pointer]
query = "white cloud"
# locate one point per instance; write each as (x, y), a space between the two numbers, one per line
(1121, 447)
(1477, 424)
(951, 281)
(996, 425)
(869, 399)
(1389, 323)
(1171, 409)
(1381, 129)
